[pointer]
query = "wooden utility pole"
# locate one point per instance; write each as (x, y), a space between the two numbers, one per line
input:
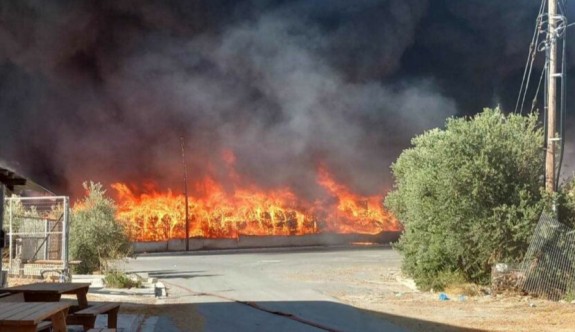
(186, 193)
(551, 98)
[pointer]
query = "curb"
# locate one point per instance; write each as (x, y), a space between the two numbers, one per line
(151, 287)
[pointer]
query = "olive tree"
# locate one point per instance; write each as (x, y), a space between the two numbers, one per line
(468, 195)
(95, 235)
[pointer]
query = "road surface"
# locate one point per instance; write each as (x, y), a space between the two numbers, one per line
(260, 290)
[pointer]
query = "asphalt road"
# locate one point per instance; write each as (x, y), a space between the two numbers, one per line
(260, 291)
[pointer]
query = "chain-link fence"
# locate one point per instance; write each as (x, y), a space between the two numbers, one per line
(549, 264)
(37, 236)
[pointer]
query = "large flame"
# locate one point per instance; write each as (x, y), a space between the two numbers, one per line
(218, 213)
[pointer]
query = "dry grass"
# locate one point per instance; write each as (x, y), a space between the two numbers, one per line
(466, 289)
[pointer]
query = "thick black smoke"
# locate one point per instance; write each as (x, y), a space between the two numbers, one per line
(104, 90)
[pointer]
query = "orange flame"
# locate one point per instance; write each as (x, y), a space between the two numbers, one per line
(156, 216)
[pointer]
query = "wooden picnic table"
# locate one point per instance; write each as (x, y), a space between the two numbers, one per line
(25, 316)
(51, 292)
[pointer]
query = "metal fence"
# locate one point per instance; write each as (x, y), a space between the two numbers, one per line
(37, 235)
(549, 264)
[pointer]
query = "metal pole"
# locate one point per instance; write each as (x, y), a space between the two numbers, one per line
(65, 233)
(2, 281)
(551, 98)
(46, 236)
(185, 193)
(10, 236)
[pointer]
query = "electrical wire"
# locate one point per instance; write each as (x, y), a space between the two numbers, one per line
(562, 33)
(530, 59)
(543, 74)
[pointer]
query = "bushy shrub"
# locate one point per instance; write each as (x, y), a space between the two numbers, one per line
(468, 196)
(96, 237)
(118, 279)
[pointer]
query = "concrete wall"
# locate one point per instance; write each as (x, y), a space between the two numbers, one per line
(160, 246)
(246, 241)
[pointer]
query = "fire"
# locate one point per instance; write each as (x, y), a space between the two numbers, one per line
(218, 213)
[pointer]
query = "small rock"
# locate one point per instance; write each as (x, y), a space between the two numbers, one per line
(532, 305)
(573, 302)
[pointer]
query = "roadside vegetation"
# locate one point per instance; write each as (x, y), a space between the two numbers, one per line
(119, 279)
(470, 195)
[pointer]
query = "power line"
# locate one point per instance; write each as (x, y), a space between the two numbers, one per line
(530, 59)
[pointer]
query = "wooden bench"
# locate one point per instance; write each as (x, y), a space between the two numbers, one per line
(87, 316)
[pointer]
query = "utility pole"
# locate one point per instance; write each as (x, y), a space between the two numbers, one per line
(551, 97)
(185, 193)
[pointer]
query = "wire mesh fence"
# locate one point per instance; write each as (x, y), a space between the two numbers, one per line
(549, 265)
(507, 278)
(37, 232)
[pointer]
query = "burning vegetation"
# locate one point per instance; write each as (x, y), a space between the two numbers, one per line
(217, 213)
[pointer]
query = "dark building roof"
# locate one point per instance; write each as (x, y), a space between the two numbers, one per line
(11, 179)
(18, 183)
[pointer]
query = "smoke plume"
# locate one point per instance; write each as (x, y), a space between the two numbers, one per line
(105, 90)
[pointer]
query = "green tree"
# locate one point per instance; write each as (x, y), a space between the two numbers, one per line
(16, 212)
(565, 198)
(468, 196)
(95, 235)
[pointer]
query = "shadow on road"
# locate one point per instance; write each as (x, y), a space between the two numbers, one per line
(301, 316)
(180, 275)
(174, 274)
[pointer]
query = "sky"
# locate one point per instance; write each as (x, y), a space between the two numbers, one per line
(107, 90)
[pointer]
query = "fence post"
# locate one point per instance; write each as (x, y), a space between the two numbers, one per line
(2, 279)
(10, 236)
(47, 237)
(65, 233)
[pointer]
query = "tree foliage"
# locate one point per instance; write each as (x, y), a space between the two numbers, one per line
(468, 196)
(16, 212)
(565, 199)
(95, 235)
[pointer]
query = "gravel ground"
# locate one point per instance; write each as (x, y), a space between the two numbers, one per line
(381, 288)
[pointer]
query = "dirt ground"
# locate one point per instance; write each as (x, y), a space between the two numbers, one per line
(384, 292)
